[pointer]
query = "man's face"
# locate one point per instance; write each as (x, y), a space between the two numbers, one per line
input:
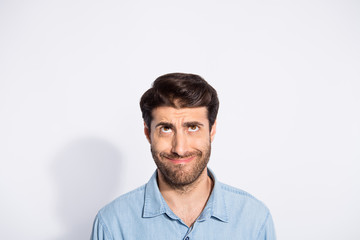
(180, 143)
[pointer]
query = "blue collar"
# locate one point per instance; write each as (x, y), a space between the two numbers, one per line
(155, 205)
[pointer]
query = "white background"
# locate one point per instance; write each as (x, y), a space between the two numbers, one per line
(72, 73)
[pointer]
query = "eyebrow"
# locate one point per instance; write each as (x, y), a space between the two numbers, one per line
(164, 124)
(186, 124)
(194, 123)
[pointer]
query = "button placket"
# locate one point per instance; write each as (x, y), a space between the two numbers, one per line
(189, 231)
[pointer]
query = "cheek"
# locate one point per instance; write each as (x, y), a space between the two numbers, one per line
(200, 142)
(161, 144)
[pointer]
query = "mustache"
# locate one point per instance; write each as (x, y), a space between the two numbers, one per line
(178, 156)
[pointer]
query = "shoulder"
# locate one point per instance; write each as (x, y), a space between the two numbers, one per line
(126, 203)
(251, 213)
(237, 199)
(236, 192)
(112, 219)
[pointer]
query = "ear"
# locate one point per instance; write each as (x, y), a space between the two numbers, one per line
(147, 132)
(213, 131)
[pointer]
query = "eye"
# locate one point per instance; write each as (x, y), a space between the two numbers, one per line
(166, 129)
(193, 128)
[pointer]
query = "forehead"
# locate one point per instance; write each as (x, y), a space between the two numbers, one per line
(171, 114)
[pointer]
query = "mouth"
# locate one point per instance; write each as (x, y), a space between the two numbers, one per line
(181, 160)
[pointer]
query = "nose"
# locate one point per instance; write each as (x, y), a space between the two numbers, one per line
(179, 144)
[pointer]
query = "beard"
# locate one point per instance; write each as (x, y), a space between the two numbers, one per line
(179, 175)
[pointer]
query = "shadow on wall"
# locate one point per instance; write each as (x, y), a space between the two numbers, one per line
(86, 176)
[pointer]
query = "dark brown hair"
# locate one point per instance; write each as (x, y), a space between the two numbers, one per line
(180, 90)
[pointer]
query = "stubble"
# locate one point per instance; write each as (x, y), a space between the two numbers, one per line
(178, 176)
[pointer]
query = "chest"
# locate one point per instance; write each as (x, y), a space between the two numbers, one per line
(165, 228)
(188, 216)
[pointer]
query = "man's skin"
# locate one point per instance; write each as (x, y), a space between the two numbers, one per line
(180, 139)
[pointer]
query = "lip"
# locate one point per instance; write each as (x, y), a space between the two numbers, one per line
(181, 160)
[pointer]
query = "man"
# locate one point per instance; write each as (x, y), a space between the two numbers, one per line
(183, 199)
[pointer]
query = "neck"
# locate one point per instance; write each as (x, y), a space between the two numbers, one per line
(187, 202)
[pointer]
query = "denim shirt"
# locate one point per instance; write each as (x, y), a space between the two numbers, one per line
(230, 213)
